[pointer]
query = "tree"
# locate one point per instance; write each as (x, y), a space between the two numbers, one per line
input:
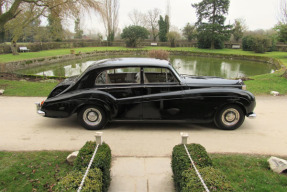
(78, 31)
(282, 32)
(163, 28)
(239, 28)
(283, 12)
(55, 27)
(137, 18)
(18, 26)
(11, 9)
(172, 37)
(189, 31)
(134, 35)
(110, 11)
(152, 22)
(212, 31)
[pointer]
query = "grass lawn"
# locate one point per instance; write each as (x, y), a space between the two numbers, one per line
(261, 85)
(41, 170)
(32, 171)
(25, 88)
(249, 173)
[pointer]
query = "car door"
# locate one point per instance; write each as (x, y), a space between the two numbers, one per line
(124, 84)
(162, 94)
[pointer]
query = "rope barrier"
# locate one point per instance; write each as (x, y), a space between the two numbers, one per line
(87, 171)
(197, 172)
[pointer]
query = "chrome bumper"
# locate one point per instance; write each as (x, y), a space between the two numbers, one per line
(251, 115)
(38, 108)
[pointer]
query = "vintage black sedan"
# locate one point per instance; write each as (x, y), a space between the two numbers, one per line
(145, 89)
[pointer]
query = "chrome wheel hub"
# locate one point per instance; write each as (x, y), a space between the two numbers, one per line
(92, 116)
(230, 117)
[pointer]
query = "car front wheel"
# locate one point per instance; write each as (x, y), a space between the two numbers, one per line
(229, 117)
(92, 117)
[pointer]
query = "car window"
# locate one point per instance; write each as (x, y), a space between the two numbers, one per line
(125, 75)
(158, 75)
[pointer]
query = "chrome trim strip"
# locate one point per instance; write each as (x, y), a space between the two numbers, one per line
(38, 109)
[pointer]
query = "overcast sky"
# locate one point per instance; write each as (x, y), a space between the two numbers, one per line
(258, 14)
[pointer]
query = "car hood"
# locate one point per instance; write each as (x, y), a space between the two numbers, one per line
(207, 81)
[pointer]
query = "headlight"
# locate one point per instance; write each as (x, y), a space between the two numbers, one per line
(244, 87)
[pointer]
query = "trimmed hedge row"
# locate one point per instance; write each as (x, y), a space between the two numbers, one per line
(185, 178)
(102, 161)
(98, 179)
(72, 181)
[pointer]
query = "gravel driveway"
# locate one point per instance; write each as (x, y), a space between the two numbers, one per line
(22, 129)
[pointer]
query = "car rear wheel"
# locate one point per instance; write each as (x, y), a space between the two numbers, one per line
(92, 117)
(229, 117)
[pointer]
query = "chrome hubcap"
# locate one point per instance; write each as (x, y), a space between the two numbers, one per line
(92, 116)
(230, 117)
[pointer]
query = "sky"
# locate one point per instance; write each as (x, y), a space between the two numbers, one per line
(258, 14)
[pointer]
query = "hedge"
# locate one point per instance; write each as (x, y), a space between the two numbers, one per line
(102, 161)
(181, 162)
(213, 178)
(72, 181)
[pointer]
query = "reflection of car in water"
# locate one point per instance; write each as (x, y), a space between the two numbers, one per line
(148, 89)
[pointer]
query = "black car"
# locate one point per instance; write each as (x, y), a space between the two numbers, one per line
(147, 89)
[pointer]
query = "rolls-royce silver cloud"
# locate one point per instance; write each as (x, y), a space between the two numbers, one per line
(146, 89)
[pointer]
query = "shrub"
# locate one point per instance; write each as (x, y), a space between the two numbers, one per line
(159, 54)
(72, 181)
(262, 44)
(248, 43)
(213, 178)
(258, 43)
(181, 162)
(102, 160)
(173, 36)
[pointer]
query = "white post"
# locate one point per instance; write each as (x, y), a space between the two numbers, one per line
(98, 136)
(184, 137)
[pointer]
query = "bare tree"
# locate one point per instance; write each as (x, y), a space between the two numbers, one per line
(283, 12)
(137, 18)
(110, 11)
(152, 18)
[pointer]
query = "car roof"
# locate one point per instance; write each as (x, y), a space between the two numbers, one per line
(128, 62)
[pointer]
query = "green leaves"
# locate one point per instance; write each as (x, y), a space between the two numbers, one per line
(134, 35)
(211, 29)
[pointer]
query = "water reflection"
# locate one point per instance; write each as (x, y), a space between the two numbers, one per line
(183, 64)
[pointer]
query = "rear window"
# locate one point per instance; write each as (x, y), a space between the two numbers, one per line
(125, 75)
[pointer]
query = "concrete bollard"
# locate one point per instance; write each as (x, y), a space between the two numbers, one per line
(184, 137)
(98, 136)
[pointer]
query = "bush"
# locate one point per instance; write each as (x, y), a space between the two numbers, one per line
(257, 43)
(72, 181)
(173, 36)
(213, 178)
(181, 162)
(262, 44)
(102, 161)
(158, 54)
(248, 43)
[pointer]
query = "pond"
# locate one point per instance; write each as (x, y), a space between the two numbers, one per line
(183, 64)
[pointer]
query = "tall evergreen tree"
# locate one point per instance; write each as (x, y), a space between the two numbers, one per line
(163, 28)
(212, 32)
